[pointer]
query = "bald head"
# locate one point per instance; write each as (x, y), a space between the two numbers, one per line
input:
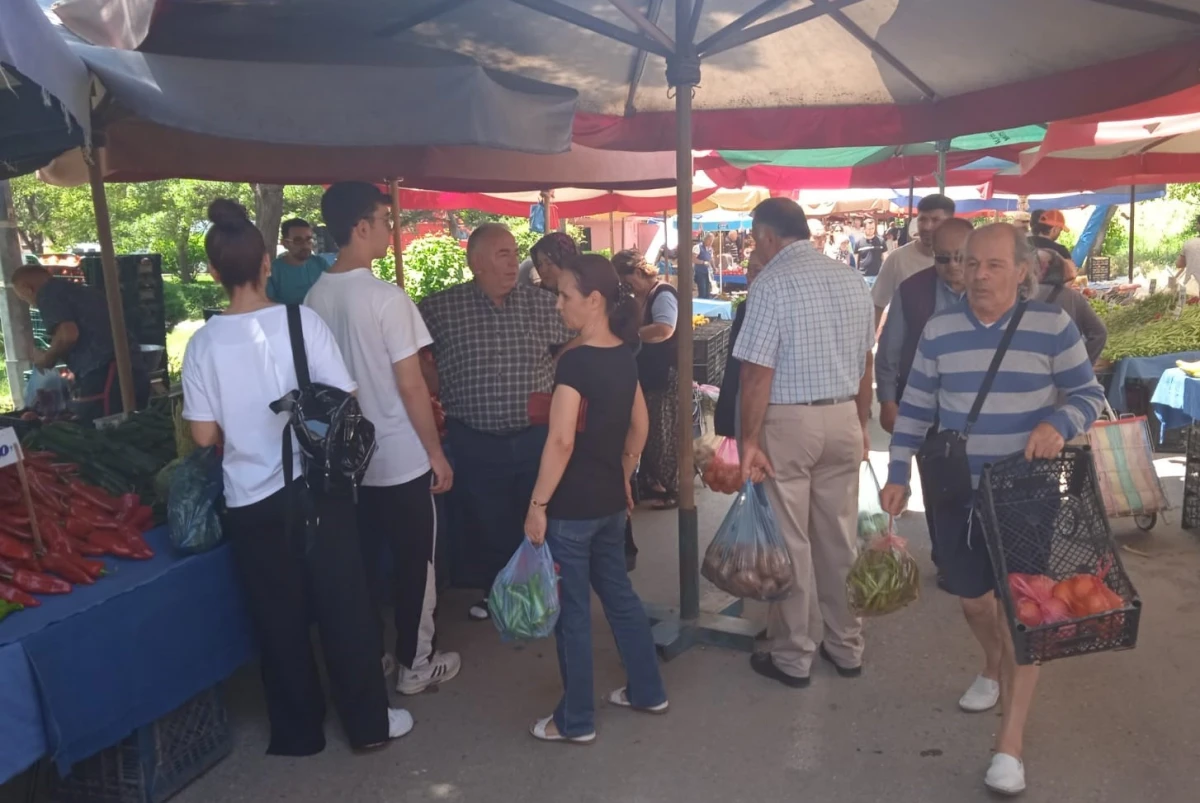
(998, 263)
(492, 258)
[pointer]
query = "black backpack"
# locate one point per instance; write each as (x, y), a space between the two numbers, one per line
(336, 441)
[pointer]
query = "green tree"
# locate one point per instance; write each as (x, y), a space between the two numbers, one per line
(431, 263)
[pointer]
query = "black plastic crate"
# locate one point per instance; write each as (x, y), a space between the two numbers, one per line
(1138, 393)
(156, 760)
(710, 351)
(1047, 517)
(141, 293)
(1191, 480)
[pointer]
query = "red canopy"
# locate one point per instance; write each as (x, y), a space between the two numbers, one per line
(1154, 142)
(575, 203)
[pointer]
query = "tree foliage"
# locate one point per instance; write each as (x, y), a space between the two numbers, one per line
(431, 264)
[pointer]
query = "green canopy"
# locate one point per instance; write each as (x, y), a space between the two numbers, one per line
(1024, 136)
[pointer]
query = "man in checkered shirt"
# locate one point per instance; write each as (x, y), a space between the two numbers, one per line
(492, 342)
(805, 349)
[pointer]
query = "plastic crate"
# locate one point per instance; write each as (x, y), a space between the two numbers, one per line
(156, 760)
(141, 293)
(1138, 393)
(1191, 480)
(1047, 517)
(710, 351)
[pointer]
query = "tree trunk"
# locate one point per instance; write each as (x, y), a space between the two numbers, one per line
(187, 271)
(268, 212)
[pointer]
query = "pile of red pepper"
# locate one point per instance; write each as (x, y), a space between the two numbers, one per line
(77, 522)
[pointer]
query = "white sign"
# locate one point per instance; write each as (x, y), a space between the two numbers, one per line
(10, 447)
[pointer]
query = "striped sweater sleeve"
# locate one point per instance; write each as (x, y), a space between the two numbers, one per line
(917, 409)
(1074, 377)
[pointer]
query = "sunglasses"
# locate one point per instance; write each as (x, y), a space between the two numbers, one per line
(302, 240)
(946, 259)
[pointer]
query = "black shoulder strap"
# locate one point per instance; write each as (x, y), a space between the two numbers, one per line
(299, 355)
(1058, 288)
(994, 368)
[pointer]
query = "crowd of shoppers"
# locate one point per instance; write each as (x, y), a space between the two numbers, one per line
(598, 338)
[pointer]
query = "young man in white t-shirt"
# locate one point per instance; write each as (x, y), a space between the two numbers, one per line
(381, 334)
(932, 211)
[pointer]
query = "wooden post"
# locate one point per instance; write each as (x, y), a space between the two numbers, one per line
(397, 231)
(1132, 226)
(112, 285)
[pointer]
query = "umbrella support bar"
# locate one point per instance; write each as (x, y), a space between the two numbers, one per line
(723, 628)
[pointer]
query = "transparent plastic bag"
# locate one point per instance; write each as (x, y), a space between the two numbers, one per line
(195, 487)
(872, 521)
(748, 557)
(884, 577)
(723, 473)
(524, 600)
(47, 393)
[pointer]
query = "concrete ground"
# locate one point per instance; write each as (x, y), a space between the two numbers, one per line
(1112, 727)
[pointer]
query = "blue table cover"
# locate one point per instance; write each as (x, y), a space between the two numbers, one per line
(1176, 400)
(83, 670)
(731, 280)
(1141, 368)
(716, 309)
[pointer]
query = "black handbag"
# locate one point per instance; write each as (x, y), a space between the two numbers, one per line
(942, 459)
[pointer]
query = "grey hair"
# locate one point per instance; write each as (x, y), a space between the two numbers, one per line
(481, 233)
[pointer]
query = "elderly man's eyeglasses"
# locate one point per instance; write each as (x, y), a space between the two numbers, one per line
(946, 259)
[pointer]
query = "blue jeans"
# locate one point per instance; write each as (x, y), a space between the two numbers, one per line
(494, 477)
(591, 554)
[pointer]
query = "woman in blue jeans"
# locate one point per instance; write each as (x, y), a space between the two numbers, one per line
(598, 425)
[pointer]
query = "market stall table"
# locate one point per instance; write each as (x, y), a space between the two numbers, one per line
(83, 670)
(713, 309)
(1143, 368)
(1176, 402)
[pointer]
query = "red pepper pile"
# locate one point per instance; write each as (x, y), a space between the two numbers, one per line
(76, 521)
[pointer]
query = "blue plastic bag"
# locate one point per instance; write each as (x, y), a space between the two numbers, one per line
(192, 502)
(747, 557)
(524, 599)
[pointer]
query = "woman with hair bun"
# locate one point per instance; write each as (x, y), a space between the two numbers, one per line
(235, 366)
(598, 425)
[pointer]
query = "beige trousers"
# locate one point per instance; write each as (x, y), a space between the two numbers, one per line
(816, 452)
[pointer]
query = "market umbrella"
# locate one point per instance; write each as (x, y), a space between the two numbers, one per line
(44, 106)
(864, 166)
(776, 74)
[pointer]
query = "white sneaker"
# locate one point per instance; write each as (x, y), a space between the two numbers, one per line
(400, 722)
(442, 666)
(479, 611)
(1006, 775)
(982, 696)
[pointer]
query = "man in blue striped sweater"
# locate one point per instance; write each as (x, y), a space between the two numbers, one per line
(1044, 394)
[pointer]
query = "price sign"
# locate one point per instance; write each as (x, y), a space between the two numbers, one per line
(1099, 268)
(10, 447)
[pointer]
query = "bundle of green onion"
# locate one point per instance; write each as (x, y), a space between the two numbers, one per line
(884, 578)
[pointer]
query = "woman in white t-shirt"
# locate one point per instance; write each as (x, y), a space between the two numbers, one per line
(235, 367)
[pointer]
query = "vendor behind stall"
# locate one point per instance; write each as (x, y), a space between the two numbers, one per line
(76, 319)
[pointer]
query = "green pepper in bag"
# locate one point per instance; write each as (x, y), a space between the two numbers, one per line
(524, 599)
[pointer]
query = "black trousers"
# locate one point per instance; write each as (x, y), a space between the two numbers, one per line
(288, 578)
(402, 520)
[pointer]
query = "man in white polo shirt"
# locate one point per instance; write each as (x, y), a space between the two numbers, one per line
(380, 334)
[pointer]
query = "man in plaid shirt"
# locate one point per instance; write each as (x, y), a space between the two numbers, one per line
(805, 348)
(493, 342)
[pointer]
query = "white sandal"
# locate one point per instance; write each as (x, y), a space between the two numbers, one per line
(620, 697)
(538, 730)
